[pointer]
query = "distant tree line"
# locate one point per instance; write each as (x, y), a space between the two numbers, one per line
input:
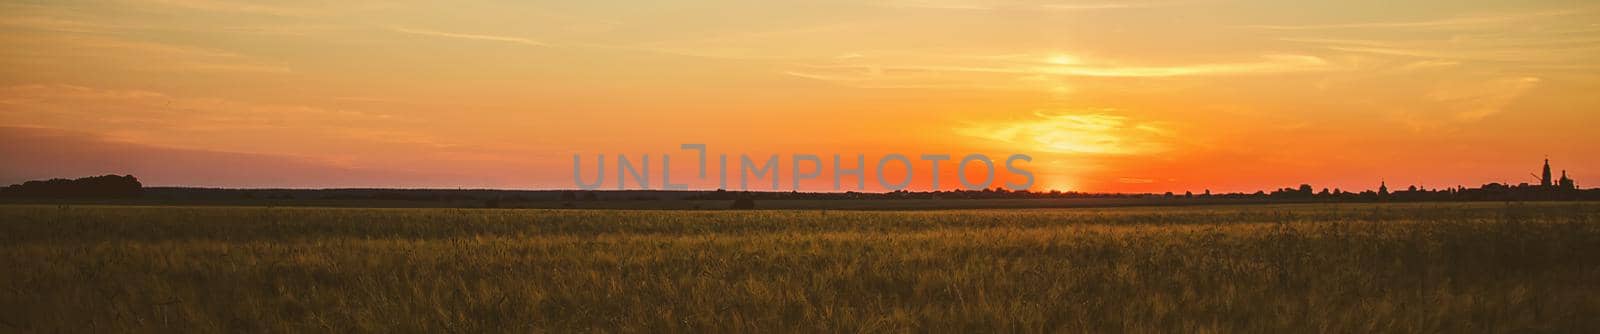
(1304, 192)
(105, 186)
(114, 186)
(1487, 192)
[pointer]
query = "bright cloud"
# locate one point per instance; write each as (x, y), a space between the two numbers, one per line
(1094, 132)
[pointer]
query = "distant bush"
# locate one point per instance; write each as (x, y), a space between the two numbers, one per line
(105, 186)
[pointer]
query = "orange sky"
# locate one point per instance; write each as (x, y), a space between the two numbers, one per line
(1106, 96)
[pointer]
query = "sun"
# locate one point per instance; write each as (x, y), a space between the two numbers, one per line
(1057, 183)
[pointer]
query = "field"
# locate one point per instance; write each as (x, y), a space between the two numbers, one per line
(1419, 267)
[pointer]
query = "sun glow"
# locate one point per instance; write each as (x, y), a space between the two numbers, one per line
(1061, 59)
(1241, 95)
(1095, 132)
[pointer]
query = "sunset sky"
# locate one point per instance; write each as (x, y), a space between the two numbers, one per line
(1107, 96)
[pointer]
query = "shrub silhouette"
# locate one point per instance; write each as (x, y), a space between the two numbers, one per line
(105, 186)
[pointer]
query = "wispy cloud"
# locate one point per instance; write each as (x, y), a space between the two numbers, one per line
(1526, 48)
(1267, 64)
(934, 4)
(231, 7)
(157, 118)
(84, 22)
(1473, 101)
(47, 23)
(1428, 65)
(1017, 70)
(494, 38)
(137, 55)
(1112, 5)
(1449, 22)
(90, 108)
(1528, 38)
(983, 5)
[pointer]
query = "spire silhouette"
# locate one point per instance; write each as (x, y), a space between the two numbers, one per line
(1544, 179)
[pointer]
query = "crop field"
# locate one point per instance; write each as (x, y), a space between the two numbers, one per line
(1415, 267)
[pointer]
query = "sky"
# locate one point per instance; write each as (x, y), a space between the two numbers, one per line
(1105, 96)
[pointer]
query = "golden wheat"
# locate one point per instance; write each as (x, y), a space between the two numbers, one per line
(1289, 268)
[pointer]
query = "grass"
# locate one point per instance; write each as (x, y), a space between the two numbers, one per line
(1429, 267)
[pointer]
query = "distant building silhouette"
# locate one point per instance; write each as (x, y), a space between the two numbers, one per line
(1565, 183)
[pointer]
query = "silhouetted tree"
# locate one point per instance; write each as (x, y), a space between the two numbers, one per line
(105, 186)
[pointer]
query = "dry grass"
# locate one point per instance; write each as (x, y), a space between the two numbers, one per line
(1301, 268)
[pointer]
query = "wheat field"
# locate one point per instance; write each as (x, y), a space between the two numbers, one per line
(1428, 267)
